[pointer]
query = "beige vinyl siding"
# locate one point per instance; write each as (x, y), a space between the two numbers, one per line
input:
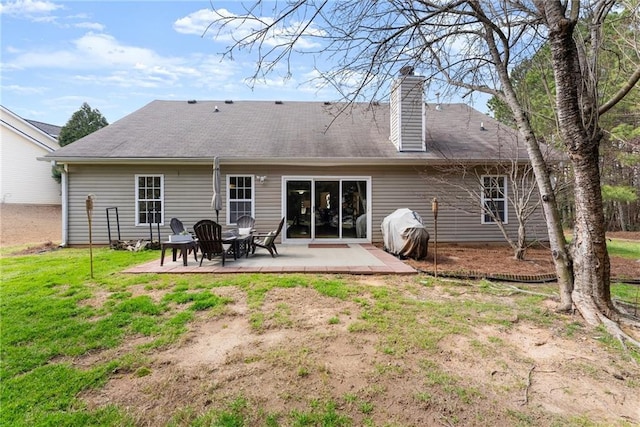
(459, 217)
(266, 198)
(187, 195)
(394, 124)
(188, 191)
(407, 114)
(412, 126)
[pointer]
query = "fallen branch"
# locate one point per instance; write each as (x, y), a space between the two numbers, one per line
(526, 389)
(524, 291)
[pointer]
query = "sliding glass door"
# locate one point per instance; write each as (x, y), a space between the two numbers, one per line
(298, 209)
(354, 218)
(327, 203)
(326, 208)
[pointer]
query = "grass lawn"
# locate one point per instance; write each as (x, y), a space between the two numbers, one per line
(52, 312)
(624, 248)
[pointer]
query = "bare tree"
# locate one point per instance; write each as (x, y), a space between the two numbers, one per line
(472, 45)
(471, 191)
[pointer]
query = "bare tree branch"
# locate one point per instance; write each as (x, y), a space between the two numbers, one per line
(624, 90)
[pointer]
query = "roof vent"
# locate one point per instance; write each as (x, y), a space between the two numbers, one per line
(327, 103)
(228, 101)
(216, 109)
(278, 102)
(191, 101)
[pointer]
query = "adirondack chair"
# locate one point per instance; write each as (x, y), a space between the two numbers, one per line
(209, 235)
(267, 240)
(177, 227)
(245, 221)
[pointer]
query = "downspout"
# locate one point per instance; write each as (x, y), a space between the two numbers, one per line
(65, 205)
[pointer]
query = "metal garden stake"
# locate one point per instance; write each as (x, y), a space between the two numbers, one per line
(89, 203)
(434, 209)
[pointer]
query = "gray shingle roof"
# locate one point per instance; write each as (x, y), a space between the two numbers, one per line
(47, 128)
(304, 131)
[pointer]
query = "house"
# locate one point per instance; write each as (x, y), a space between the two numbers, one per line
(333, 170)
(25, 180)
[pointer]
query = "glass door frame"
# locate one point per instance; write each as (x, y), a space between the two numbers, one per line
(312, 235)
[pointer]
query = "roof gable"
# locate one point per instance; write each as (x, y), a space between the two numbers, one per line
(27, 131)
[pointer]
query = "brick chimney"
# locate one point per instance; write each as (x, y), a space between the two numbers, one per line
(408, 112)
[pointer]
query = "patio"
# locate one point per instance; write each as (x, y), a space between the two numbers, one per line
(318, 258)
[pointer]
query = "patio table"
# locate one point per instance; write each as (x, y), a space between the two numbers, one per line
(184, 248)
(240, 243)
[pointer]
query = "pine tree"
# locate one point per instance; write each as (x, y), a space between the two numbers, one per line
(82, 123)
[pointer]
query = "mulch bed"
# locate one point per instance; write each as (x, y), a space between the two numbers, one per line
(497, 261)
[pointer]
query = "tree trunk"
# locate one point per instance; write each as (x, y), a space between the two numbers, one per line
(521, 248)
(622, 214)
(591, 266)
(561, 257)
(557, 240)
(577, 115)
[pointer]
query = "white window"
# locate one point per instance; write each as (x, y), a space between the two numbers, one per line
(494, 199)
(239, 197)
(149, 199)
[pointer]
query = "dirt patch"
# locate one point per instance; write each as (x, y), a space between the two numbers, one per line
(476, 378)
(38, 226)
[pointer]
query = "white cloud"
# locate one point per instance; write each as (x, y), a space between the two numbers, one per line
(104, 50)
(24, 90)
(100, 59)
(40, 11)
(91, 51)
(81, 15)
(197, 22)
(239, 27)
(124, 79)
(95, 26)
(12, 49)
(28, 8)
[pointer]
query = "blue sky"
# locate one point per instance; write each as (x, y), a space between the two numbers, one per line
(120, 55)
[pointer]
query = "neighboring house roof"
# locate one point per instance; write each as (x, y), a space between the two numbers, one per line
(301, 132)
(32, 133)
(52, 130)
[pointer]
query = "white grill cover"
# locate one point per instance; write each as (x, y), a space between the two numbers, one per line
(404, 234)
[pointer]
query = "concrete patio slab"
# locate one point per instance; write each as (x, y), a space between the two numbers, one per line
(349, 259)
